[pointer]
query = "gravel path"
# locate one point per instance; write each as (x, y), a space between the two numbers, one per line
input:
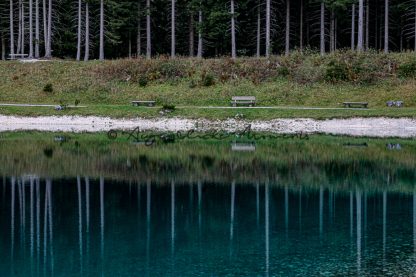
(375, 127)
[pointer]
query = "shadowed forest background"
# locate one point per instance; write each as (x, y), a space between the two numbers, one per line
(205, 28)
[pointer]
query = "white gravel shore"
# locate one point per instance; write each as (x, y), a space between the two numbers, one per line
(374, 127)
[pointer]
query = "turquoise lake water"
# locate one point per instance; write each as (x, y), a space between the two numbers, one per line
(178, 225)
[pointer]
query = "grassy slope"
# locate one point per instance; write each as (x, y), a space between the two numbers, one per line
(23, 83)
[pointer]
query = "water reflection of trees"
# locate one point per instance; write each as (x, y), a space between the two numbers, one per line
(40, 202)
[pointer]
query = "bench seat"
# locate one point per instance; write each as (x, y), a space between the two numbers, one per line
(149, 103)
(355, 104)
(243, 100)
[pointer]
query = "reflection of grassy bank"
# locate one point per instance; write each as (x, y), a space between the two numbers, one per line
(321, 160)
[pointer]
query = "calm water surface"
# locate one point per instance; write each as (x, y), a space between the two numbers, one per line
(86, 222)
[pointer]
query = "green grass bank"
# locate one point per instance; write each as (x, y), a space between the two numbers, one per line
(300, 80)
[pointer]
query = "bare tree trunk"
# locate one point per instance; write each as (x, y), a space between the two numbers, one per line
(258, 32)
(129, 45)
(3, 47)
(45, 25)
(148, 32)
(79, 31)
(37, 54)
(30, 28)
(386, 27)
(139, 31)
(301, 26)
(322, 35)
(23, 27)
(268, 3)
(415, 28)
(332, 31)
(87, 32)
(335, 32)
(353, 27)
(191, 35)
(173, 42)
(233, 46)
(48, 48)
(101, 57)
(367, 25)
(287, 35)
(11, 21)
(19, 32)
(360, 25)
(199, 54)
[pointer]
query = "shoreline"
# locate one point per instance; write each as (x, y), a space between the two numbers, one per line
(371, 127)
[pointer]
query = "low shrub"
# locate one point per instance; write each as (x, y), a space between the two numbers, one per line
(143, 81)
(208, 80)
(48, 88)
(407, 70)
(336, 71)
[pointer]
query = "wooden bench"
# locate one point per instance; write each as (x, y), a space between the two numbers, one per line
(149, 103)
(355, 104)
(243, 100)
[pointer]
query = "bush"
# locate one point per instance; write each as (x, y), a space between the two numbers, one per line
(48, 88)
(336, 71)
(283, 71)
(143, 81)
(208, 80)
(192, 84)
(168, 107)
(308, 73)
(407, 70)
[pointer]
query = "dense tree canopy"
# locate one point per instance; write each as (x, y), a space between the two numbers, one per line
(66, 26)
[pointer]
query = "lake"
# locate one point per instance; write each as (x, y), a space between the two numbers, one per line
(100, 205)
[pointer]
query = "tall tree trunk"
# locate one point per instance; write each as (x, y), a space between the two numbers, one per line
(332, 31)
(301, 26)
(268, 4)
(79, 31)
(11, 25)
(129, 45)
(37, 37)
(367, 25)
(258, 31)
(3, 47)
(45, 25)
(191, 35)
(30, 28)
(335, 32)
(49, 48)
(19, 31)
(353, 27)
(415, 28)
(360, 25)
(101, 57)
(386, 27)
(173, 35)
(148, 32)
(322, 27)
(139, 31)
(233, 46)
(23, 28)
(199, 54)
(87, 32)
(287, 34)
